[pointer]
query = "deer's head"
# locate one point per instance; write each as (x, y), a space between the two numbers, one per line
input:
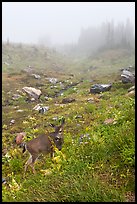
(57, 136)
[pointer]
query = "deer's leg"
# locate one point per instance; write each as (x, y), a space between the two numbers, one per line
(52, 154)
(34, 157)
(28, 163)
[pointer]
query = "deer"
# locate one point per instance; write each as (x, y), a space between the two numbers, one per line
(44, 144)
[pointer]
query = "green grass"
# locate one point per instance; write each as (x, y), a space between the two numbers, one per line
(99, 169)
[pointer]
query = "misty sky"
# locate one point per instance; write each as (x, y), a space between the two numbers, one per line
(59, 22)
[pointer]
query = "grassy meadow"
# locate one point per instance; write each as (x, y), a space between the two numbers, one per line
(100, 167)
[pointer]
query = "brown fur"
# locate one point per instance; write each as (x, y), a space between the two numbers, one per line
(44, 144)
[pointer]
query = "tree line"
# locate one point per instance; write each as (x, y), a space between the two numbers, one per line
(106, 36)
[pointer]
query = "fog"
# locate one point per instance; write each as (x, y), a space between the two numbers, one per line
(55, 23)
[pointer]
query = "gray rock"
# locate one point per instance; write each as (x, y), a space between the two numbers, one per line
(37, 107)
(19, 111)
(32, 92)
(127, 77)
(46, 98)
(78, 116)
(131, 88)
(131, 93)
(3, 180)
(6, 63)
(97, 88)
(12, 121)
(28, 70)
(32, 99)
(84, 138)
(91, 100)
(36, 76)
(19, 137)
(42, 109)
(16, 96)
(68, 100)
(52, 80)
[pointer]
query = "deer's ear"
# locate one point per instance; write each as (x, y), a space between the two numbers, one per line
(60, 130)
(52, 125)
(63, 121)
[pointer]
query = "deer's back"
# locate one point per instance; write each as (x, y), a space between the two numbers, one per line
(41, 144)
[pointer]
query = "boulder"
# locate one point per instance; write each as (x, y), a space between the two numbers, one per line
(68, 100)
(32, 92)
(19, 137)
(127, 76)
(97, 88)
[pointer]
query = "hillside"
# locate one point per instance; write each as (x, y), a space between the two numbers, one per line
(97, 161)
(16, 57)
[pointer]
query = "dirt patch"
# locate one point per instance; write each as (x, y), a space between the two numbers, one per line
(130, 197)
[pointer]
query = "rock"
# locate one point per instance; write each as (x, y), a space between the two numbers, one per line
(127, 77)
(78, 116)
(46, 98)
(19, 111)
(32, 99)
(16, 96)
(100, 96)
(130, 196)
(127, 69)
(28, 69)
(55, 118)
(97, 88)
(19, 137)
(130, 66)
(91, 100)
(109, 121)
(58, 104)
(9, 92)
(68, 100)
(4, 151)
(52, 80)
(43, 109)
(83, 138)
(52, 87)
(37, 107)
(6, 63)
(3, 180)
(12, 122)
(131, 88)
(32, 92)
(36, 76)
(15, 107)
(131, 93)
